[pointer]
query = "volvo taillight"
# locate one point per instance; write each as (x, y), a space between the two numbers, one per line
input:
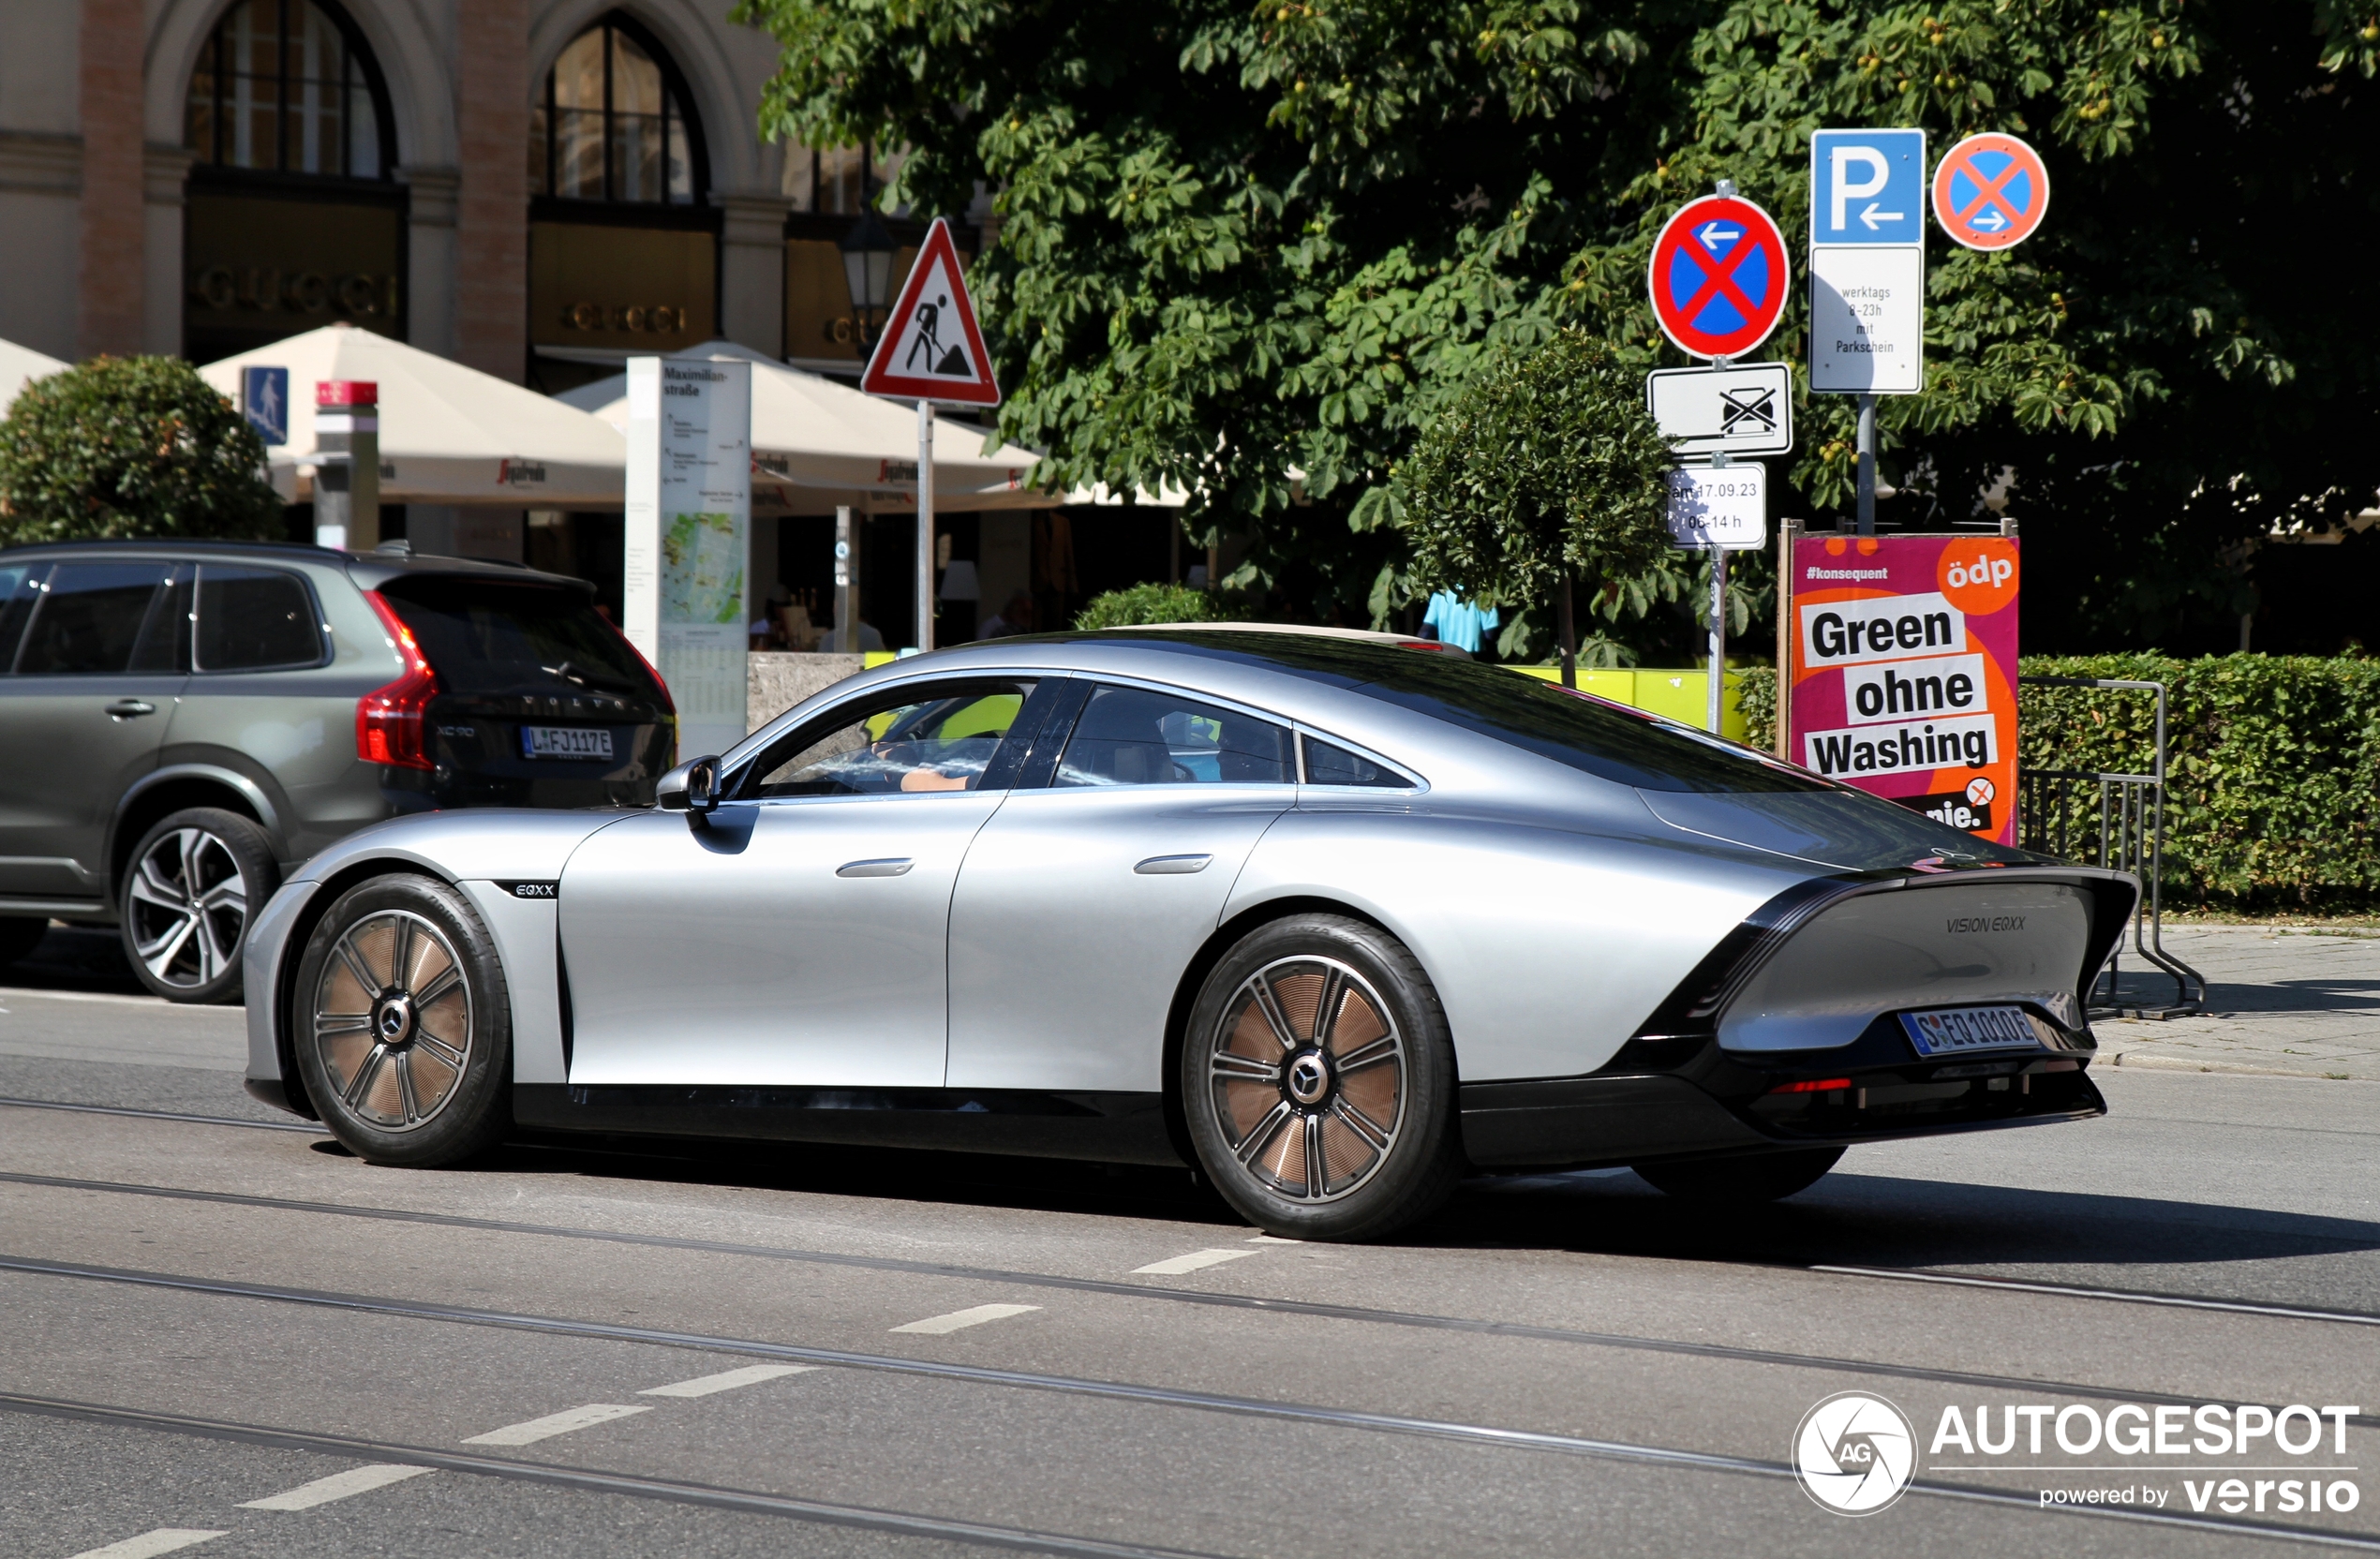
(388, 721)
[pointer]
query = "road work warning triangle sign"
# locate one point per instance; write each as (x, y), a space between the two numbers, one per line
(931, 350)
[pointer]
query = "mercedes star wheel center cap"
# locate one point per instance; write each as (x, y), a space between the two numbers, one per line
(1309, 1077)
(393, 1020)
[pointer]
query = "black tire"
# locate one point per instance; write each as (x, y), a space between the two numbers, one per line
(402, 1025)
(1740, 1178)
(1269, 1107)
(20, 935)
(191, 890)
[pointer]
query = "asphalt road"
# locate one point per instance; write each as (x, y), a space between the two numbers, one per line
(652, 1349)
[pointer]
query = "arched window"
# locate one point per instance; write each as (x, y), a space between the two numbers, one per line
(612, 124)
(288, 86)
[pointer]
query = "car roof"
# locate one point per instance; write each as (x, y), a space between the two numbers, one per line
(369, 570)
(1365, 635)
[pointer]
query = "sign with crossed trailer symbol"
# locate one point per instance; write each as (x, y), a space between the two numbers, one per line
(1744, 408)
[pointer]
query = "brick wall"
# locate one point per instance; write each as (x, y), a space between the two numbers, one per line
(114, 206)
(491, 217)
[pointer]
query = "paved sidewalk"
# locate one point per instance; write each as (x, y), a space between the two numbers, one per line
(2280, 999)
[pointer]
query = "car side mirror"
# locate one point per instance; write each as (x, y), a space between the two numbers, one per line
(691, 787)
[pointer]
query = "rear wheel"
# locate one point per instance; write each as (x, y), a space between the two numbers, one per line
(402, 1025)
(195, 880)
(1743, 1178)
(1318, 1083)
(19, 937)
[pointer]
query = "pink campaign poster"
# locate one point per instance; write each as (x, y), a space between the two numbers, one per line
(1905, 672)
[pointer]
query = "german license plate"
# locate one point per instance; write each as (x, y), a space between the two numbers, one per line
(1957, 1030)
(565, 741)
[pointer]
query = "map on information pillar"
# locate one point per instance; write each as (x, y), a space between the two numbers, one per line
(703, 570)
(1904, 663)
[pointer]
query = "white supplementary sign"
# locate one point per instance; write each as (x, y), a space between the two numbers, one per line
(686, 599)
(1867, 262)
(1868, 321)
(1744, 408)
(1720, 506)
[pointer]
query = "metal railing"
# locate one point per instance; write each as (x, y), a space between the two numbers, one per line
(2131, 837)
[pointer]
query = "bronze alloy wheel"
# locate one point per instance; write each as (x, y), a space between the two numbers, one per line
(1308, 1070)
(393, 1020)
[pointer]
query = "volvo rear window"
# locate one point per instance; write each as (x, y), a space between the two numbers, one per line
(508, 636)
(1608, 740)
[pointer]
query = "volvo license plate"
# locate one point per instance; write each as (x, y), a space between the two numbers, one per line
(1955, 1030)
(565, 741)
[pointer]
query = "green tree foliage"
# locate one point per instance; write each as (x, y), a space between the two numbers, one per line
(1546, 471)
(1255, 249)
(131, 446)
(1150, 603)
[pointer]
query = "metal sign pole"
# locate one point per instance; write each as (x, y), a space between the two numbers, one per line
(1867, 465)
(1788, 532)
(925, 525)
(846, 583)
(1718, 635)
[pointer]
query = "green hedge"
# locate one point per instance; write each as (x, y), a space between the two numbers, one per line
(2274, 767)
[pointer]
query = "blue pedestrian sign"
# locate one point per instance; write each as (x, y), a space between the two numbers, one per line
(264, 401)
(1867, 187)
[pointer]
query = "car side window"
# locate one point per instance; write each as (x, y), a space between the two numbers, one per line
(1131, 736)
(20, 591)
(1328, 764)
(944, 736)
(89, 619)
(251, 619)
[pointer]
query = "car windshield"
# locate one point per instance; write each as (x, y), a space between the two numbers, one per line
(1605, 739)
(505, 636)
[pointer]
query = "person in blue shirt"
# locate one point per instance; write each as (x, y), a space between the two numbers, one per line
(1459, 622)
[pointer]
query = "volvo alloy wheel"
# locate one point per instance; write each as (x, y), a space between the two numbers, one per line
(187, 894)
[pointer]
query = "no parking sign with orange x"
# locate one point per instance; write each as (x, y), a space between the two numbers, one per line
(1990, 191)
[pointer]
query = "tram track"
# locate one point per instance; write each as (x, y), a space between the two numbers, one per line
(760, 1502)
(1208, 1298)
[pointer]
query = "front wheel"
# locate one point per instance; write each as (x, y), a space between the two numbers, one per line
(1741, 1177)
(402, 1025)
(1319, 1082)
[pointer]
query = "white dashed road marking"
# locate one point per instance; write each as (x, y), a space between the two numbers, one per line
(959, 1320)
(165, 1540)
(322, 1491)
(703, 1386)
(1271, 1239)
(1175, 1266)
(552, 1424)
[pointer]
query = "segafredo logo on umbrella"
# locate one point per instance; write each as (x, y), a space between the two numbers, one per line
(1855, 1453)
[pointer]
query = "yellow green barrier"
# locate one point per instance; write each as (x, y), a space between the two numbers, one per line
(1679, 695)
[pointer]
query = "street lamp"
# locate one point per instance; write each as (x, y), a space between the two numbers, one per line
(868, 256)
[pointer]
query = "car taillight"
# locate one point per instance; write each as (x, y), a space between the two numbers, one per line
(388, 721)
(660, 689)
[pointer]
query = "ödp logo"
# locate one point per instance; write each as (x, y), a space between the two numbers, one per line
(1855, 1453)
(1978, 575)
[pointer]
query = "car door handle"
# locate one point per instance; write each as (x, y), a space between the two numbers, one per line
(1172, 865)
(125, 708)
(891, 866)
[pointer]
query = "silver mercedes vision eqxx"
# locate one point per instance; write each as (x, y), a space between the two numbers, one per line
(1329, 920)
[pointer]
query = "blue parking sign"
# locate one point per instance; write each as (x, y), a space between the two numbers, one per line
(264, 401)
(1867, 187)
